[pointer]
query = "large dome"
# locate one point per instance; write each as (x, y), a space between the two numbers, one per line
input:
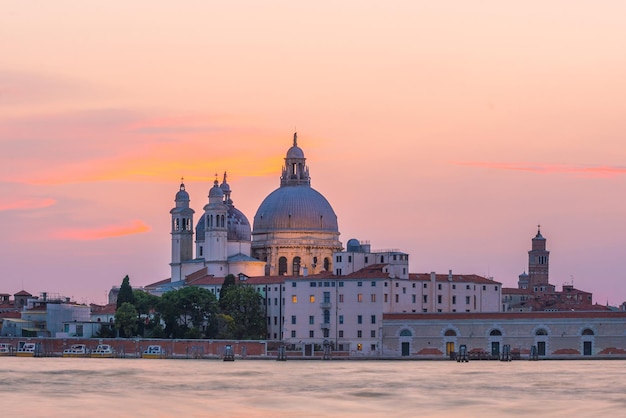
(298, 208)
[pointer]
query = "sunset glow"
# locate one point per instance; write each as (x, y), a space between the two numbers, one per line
(447, 130)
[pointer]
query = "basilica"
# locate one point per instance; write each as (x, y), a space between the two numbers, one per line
(295, 230)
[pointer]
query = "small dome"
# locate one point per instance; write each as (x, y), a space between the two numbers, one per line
(295, 152)
(182, 194)
(216, 191)
(353, 245)
(295, 208)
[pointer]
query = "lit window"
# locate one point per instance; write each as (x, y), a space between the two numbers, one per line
(312, 298)
(294, 299)
(359, 347)
(359, 297)
(373, 297)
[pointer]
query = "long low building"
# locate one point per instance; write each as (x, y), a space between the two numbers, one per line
(549, 335)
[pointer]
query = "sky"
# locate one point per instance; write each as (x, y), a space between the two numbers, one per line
(447, 130)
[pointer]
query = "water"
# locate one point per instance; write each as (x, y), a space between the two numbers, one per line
(76, 387)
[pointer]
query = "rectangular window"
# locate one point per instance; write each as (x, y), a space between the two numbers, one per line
(294, 299)
(275, 320)
(373, 334)
(338, 259)
(359, 334)
(293, 334)
(326, 297)
(425, 285)
(341, 319)
(404, 290)
(341, 298)
(313, 284)
(293, 284)
(326, 332)
(373, 347)
(385, 298)
(311, 334)
(349, 259)
(454, 300)
(293, 319)
(366, 260)
(373, 297)
(373, 284)
(340, 284)
(311, 319)
(467, 287)
(495, 288)
(386, 284)
(397, 298)
(484, 287)
(312, 298)
(359, 284)
(453, 286)
(413, 285)
(359, 319)
(359, 297)
(467, 300)
(359, 347)
(397, 284)
(425, 298)
(413, 298)
(373, 319)
(439, 286)
(275, 301)
(340, 335)
(439, 298)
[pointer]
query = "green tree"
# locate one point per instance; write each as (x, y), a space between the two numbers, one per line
(228, 284)
(126, 293)
(243, 304)
(126, 320)
(146, 304)
(188, 308)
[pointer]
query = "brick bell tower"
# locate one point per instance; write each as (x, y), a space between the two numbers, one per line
(538, 262)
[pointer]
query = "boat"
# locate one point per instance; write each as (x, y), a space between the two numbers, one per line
(6, 349)
(153, 351)
(76, 350)
(27, 350)
(103, 351)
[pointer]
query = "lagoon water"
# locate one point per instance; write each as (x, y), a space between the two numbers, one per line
(76, 387)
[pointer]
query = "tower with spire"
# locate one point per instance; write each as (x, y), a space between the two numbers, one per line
(538, 263)
(215, 235)
(295, 171)
(181, 231)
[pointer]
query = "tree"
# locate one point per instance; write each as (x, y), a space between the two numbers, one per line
(145, 304)
(126, 293)
(229, 283)
(243, 304)
(126, 320)
(188, 308)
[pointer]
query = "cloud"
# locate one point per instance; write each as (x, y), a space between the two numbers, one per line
(111, 145)
(26, 204)
(109, 231)
(604, 171)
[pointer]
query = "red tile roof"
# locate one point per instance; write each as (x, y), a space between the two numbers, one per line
(456, 278)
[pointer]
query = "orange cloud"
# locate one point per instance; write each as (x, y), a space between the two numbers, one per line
(26, 204)
(110, 231)
(584, 171)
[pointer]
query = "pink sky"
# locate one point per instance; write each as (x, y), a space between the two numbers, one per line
(447, 130)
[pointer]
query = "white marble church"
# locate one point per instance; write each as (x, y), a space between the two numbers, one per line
(295, 230)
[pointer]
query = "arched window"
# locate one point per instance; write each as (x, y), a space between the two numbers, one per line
(210, 220)
(296, 266)
(450, 333)
(405, 333)
(282, 266)
(541, 331)
(326, 264)
(588, 331)
(495, 333)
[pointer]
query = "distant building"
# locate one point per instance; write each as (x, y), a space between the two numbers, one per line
(535, 292)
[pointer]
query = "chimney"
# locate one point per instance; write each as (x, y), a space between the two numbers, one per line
(449, 275)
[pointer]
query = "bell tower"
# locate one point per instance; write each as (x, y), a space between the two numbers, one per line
(538, 262)
(216, 230)
(182, 232)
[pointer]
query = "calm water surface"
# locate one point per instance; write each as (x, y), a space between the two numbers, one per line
(74, 387)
